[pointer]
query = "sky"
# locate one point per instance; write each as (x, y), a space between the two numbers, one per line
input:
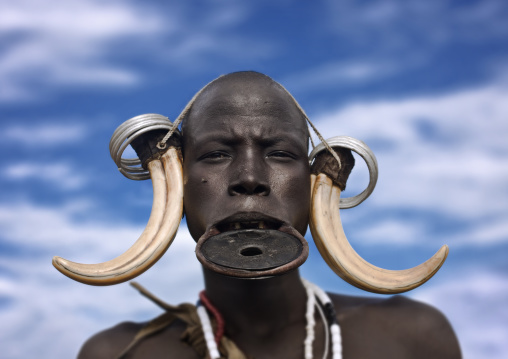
(423, 83)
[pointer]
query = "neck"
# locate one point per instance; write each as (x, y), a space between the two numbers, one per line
(258, 307)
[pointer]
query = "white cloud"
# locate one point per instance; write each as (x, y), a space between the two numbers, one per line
(111, 20)
(55, 229)
(340, 74)
(60, 175)
(67, 42)
(84, 42)
(384, 38)
(46, 134)
(475, 303)
(391, 231)
(384, 24)
(41, 303)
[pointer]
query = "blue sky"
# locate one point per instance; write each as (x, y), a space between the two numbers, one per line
(423, 83)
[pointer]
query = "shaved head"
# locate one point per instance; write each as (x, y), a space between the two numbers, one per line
(251, 92)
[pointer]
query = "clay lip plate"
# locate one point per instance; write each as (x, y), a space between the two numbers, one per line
(252, 249)
(251, 252)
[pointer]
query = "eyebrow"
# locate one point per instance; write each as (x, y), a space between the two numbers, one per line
(231, 139)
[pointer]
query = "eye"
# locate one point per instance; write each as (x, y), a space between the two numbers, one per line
(281, 155)
(214, 156)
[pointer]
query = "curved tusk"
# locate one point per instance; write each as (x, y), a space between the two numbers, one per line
(326, 228)
(158, 235)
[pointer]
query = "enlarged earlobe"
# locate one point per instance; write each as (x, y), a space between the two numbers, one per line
(165, 170)
(331, 241)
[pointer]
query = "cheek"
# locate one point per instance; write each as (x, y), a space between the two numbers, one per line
(202, 190)
(193, 188)
(293, 189)
(300, 193)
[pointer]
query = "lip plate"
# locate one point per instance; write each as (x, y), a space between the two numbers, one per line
(268, 249)
(243, 273)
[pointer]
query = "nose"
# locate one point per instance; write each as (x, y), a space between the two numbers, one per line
(250, 178)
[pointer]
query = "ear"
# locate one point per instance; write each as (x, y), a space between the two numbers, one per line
(164, 167)
(329, 236)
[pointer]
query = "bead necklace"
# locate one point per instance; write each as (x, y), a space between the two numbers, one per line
(331, 317)
(327, 313)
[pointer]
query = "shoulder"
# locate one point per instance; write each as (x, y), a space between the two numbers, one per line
(399, 325)
(110, 343)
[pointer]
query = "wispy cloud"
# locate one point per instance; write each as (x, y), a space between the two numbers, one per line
(67, 43)
(340, 74)
(46, 134)
(385, 25)
(477, 297)
(84, 43)
(382, 42)
(59, 175)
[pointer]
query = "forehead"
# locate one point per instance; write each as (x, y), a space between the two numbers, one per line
(238, 108)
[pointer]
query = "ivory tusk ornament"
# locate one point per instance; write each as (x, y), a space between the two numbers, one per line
(331, 241)
(167, 210)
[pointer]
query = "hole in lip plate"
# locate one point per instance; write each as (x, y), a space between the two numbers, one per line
(251, 251)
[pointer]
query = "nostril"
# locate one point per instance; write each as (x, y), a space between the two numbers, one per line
(245, 189)
(239, 189)
(261, 190)
(251, 251)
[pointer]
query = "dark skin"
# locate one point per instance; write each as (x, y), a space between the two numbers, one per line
(245, 151)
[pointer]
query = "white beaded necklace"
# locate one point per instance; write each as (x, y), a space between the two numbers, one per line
(313, 292)
(331, 317)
